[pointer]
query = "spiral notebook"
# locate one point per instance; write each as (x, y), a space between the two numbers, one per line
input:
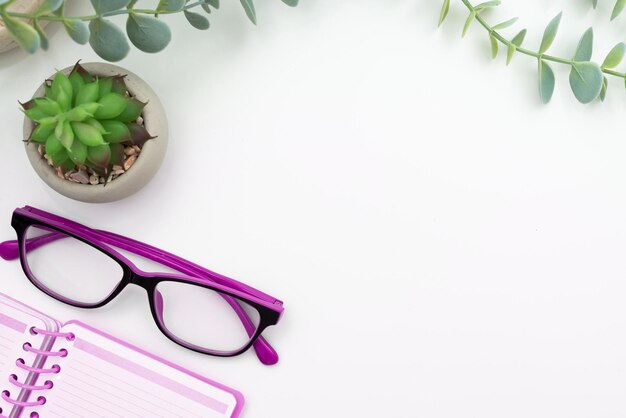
(97, 375)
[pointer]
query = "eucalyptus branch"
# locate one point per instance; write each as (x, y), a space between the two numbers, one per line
(588, 80)
(143, 26)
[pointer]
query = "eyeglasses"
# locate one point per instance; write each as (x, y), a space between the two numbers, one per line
(199, 309)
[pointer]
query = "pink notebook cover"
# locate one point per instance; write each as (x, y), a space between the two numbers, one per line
(101, 376)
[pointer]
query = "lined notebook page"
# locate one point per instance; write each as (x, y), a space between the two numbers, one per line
(102, 378)
(15, 322)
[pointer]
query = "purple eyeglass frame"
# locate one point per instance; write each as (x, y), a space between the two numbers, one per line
(269, 308)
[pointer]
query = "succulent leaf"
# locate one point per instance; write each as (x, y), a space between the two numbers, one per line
(118, 85)
(77, 82)
(111, 105)
(88, 93)
(116, 131)
(132, 111)
(99, 155)
(47, 106)
(67, 134)
(138, 134)
(78, 152)
(61, 84)
(87, 134)
(106, 85)
(53, 145)
(94, 123)
(42, 132)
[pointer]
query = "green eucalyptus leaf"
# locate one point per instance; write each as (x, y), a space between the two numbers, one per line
(87, 134)
(25, 35)
(595, 3)
(53, 145)
(605, 86)
(546, 81)
(111, 105)
(43, 39)
(197, 20)
(116, 131)
(468, 22)
(248, 6)
(292, 3)
(107, 40)
(214, 3)
(584, 50)
(148, 33)
(618, 9)
(105, 6)
(206, 7)
(506, 24)
(494, 46)
(77, 29)
(586, 80)
(48, 6)
(550, 34)
(487, 5)
(445, 8)
(516, 42)
(615, 57)
(170, 5)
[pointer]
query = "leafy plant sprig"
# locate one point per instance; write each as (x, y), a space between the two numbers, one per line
(143, 26)
(587, 79)
(619, 7)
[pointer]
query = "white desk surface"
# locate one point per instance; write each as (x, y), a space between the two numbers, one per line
(445, 245)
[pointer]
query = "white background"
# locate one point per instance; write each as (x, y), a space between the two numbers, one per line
(445, 245)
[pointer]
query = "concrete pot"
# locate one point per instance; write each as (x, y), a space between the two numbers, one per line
(21, 6)
(143, 169)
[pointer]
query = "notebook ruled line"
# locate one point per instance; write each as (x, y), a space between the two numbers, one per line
(116, 396)
(124, 383)
(104, 400)
(75, 406)
(150, 375)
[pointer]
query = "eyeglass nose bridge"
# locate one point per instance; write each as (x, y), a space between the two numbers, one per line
(148, 283)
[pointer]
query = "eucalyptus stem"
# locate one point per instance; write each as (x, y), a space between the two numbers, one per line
(493, 32)
(54, 18)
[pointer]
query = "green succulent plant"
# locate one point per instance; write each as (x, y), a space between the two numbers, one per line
(86, 120)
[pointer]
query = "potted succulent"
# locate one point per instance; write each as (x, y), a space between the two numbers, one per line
(95, 132)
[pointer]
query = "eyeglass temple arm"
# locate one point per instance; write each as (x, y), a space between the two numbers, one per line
(9, 250)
